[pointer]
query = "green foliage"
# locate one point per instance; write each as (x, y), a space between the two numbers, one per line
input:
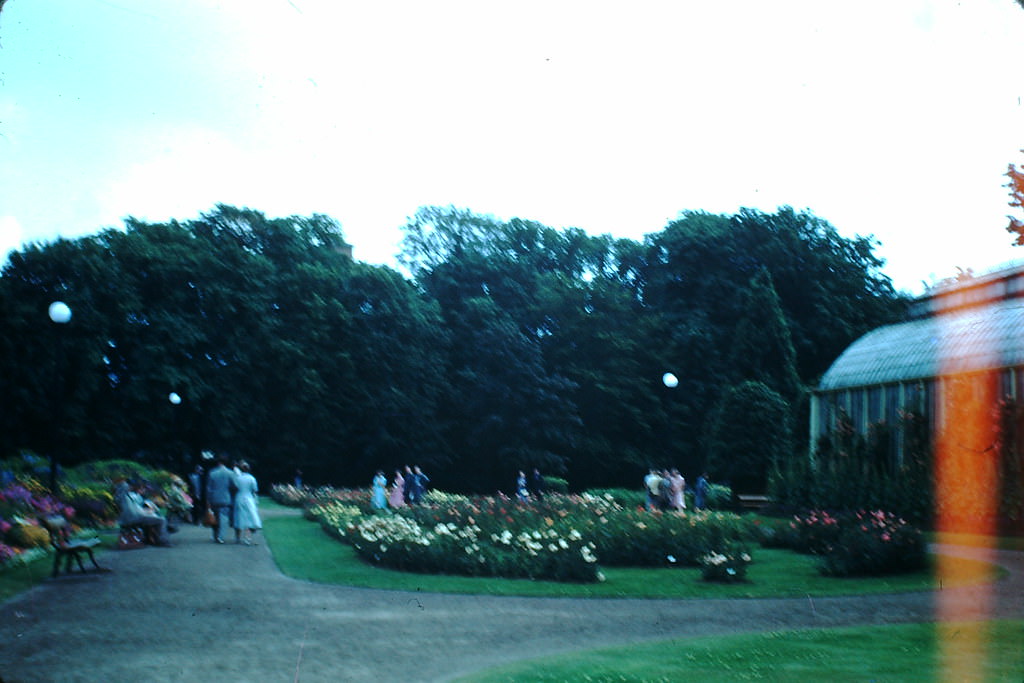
(1015, 175)
(875, 544)
(516, 346)
(92, 504)
(727, 565)
(630, 499)
(27, 536)
(719, 497)
(750, 435)
(861, 543)
(556, 484)
(762, 347)
(851, 472)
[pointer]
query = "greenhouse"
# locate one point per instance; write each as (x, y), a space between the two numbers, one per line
(966, 331)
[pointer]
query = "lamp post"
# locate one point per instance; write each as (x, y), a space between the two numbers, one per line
(60, 314)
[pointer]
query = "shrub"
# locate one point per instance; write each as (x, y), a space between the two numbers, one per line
(28, 536)
(727, 565)
(719, 497)
(875, 543)
(814, 533)
(627, 498)
(555, 484)
(402, 543)
(92, 504)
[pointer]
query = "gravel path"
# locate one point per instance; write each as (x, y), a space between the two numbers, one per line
(205, 612)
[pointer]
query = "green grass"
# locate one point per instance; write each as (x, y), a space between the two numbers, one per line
(14, 580)
(304, 551)
(979, 651)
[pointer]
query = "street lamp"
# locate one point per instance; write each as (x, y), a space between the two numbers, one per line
(60, 313)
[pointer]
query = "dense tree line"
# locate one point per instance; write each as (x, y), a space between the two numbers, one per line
(509, 345)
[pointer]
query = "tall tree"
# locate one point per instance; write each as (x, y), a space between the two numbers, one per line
(761, 347)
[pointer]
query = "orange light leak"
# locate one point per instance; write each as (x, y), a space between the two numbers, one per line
(966, 487)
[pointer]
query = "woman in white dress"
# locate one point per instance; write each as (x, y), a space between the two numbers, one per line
(247, 513)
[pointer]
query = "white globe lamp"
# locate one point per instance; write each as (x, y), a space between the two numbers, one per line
(59, 312)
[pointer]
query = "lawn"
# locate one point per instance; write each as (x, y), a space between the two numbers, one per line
(980, 651)
(304, 551)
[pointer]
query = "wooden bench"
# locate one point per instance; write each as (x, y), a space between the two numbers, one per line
(67, 548)
(753, 502)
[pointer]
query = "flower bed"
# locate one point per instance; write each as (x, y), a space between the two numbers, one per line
(855, 544)
(560, 537)
(726, 566)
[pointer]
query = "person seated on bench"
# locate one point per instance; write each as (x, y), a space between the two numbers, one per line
(137, 511)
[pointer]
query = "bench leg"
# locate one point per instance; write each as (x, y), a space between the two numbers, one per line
(93, 558)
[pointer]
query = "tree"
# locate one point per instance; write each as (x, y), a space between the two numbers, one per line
(749, 436)
(1016, 187)
(761, 346)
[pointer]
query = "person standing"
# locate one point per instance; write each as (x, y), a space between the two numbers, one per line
(218, 496)
(246, 518)
(700, 495)
(537, 484)
(678, 501)
(195, 481)
(379, 497)
(522, 493)
(651, 484)
(397, 497)
(409, 491)
(420, 481)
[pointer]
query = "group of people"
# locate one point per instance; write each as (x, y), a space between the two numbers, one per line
(526, 488)
(407, 488)
(666, 489)
(226, 498)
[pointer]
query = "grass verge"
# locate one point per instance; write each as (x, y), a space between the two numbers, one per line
(976, 651)
(304, 551)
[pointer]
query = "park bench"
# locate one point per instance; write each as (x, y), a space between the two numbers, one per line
(753, 502)
(67, 548)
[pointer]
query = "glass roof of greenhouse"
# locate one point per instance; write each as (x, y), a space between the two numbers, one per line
(985, 337)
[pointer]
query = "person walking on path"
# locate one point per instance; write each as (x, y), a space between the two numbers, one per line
(218, 497)
(247, 513)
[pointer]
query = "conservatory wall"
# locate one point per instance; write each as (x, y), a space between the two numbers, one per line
(969, 332)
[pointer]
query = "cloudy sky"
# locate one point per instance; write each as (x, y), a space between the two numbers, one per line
(892, 119)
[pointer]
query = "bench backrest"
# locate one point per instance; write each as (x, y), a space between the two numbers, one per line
(59, 529)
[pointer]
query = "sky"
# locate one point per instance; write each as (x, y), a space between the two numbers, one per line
(890, 119)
